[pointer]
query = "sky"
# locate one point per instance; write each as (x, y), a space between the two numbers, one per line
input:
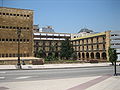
(69, 16)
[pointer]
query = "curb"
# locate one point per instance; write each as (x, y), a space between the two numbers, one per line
(55, 68)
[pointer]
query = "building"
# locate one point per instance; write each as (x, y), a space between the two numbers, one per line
(46, 40)
(92, 46)
(35, 28)
(81, 33)
(115, 41)
(12, 19)
(47, 29)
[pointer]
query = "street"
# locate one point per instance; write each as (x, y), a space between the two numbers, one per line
(49, 74)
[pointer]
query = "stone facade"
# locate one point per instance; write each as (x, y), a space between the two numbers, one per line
(93, 46)
(12, 19)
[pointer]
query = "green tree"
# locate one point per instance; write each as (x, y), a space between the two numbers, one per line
(51, 55)
(112, 55)
(66, 49)
(41, 54)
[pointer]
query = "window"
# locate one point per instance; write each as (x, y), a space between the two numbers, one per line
(6, 26)
(7, 13)
(13, 39)
(27, 40)
(13, 55)
(21, 15)
(24, 28)
(10, 39)
(14, 27)
(27, 27)
(2, 55)
(17, 27)
(3, 39)
(6, 39)
(10, 14)
(10, 55)
(17, 14)
(14, 14)
(27, 15)
(0, 13)
(3, 13)
(21, 40)
(24, 15)
(24, 40)
(6, 55)
(10, 27)
(27, 55)
(3, 26)
(20, 27)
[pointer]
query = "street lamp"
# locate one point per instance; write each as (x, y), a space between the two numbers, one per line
(19, 33)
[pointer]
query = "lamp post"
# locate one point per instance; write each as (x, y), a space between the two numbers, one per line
(19, 33)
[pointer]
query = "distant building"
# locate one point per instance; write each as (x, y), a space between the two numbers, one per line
(35, 28)
(92, 46)
(47, 29)
(115, 41)
(46, 40)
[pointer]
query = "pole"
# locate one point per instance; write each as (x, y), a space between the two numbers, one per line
(115, 74)
(18, 64)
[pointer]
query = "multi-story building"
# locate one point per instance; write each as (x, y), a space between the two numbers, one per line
(46, 40)
(94, 46)
(115, 41)
(12, 19)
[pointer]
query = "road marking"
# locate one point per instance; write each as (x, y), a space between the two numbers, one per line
(2, 77)
(3, 72)
(24, 77)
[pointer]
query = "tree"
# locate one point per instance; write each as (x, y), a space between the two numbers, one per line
(74, 56)
(41, 54)
(66, 49)
(113, 57)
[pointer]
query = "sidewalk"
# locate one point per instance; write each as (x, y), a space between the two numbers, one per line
(82, 83)
(54, 66)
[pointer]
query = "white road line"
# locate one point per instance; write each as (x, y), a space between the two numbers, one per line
(2, 77)
(24, 77)
(3, 72)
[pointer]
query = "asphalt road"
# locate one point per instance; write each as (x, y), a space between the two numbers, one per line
(33, 75)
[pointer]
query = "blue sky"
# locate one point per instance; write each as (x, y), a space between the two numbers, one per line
(69, 16)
